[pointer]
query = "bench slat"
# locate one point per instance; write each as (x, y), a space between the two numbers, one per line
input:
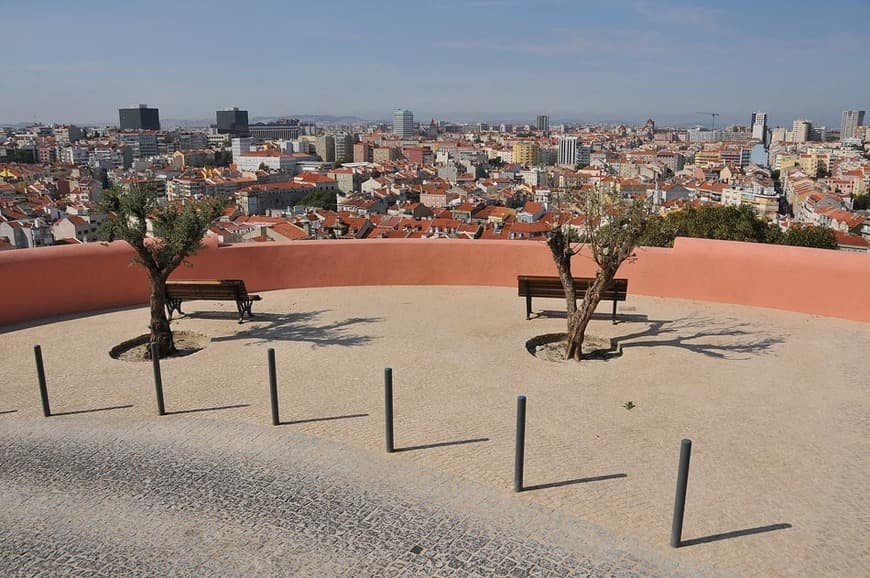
(549, 287)
(210, 290)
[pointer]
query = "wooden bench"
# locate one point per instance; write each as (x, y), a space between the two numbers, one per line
(212, 290)
(551, 287)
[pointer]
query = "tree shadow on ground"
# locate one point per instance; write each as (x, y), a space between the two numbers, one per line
(620, 317)
(303, 326)
(734, 534)
(721, 338)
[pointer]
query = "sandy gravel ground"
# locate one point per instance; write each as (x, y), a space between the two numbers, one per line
(776, 404)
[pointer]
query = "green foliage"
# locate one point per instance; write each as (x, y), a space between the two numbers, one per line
(730, 223)
(861, 202)
(625, 223)
(629, 405)
(818, 237)
(322, 199)
(178, 228)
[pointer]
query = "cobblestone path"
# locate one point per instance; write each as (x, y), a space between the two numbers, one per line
(88, 496)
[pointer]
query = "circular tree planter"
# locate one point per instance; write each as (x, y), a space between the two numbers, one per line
(136, 349)
(552, 347)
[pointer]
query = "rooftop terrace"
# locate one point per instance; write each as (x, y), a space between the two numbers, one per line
(776, 403)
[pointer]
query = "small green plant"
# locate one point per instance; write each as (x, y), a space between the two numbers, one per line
(629, 405)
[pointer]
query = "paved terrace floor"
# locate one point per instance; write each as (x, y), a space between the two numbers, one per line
(776, 404)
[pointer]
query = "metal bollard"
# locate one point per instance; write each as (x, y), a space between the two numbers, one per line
(680, 499)
(158, 379)
(388, 409)
(273, 387)
(40, 374)
(519, 456)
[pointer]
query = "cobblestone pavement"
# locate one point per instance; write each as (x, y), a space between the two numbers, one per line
(105, 497)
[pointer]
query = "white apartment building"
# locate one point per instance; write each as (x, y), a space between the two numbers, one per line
(252, 160)
(75, 155)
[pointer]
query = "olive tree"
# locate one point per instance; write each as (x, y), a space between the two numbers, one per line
(178, 229)
(611, 228)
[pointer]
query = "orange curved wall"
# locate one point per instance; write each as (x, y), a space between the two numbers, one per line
(39, 283)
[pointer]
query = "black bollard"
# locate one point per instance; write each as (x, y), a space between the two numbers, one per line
(388, 408)
(158, 379)
(520, 455)
(273, 387)
(40, 374)
(680, 499)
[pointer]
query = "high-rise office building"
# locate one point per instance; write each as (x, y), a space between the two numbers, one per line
(800, 131)
(759, 126)
(343, 143)
(403, 123)
(567, 151)
(139, 118)
(232, 121)
(325, 146)
(850, 122)
(542, 123)
(572, 152)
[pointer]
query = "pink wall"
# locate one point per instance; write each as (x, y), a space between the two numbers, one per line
(38, 283)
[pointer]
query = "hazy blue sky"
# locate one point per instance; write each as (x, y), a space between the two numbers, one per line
(81, 60)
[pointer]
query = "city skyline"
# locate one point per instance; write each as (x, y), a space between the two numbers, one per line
(462, 60)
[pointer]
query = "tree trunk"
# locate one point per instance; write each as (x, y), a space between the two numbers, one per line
(560, 247)
(577, 324)
(161, 333)
(564, 267)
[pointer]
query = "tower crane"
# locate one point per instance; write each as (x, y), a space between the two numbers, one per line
(712, 115)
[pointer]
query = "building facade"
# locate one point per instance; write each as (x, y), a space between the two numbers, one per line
(343, 143)
(139, 118)
(526, 153)
(232, 121)
(850, 122)
(403, 123)
(759, 126)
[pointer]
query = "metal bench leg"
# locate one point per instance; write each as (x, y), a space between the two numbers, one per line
(244, 306)
(173, 305)
(528, 307)
(614, 312)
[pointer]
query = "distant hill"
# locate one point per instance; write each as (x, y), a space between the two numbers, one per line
(315, 118)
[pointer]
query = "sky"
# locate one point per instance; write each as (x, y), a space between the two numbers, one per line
(491, 60)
